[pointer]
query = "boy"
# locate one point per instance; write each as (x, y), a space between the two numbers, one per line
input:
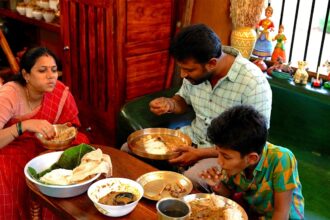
(265, 175)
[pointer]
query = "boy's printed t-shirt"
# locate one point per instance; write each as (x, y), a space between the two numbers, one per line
(276, 171)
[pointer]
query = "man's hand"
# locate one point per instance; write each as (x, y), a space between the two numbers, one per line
(162, 105)
(188, 155)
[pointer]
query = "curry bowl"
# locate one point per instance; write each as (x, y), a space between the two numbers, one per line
(157, 143)
(115, 196)
(43, 162)
(64, 137)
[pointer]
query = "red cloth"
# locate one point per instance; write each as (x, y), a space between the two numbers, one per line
(57, 107)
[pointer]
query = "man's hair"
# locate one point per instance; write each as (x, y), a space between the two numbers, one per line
(241, 128)
(196, 41)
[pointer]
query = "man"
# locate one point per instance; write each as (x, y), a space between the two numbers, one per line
(215, 78)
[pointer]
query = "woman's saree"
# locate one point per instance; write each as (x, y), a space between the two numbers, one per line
(57, 107)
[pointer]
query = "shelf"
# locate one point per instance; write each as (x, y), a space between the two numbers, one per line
(14, 15)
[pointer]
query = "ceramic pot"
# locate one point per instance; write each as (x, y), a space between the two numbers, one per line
(243, 39)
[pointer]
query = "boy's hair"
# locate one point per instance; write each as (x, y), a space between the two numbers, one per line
(240, 128)
(196, 41)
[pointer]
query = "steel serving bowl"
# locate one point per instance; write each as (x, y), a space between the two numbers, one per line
(56, 143)
(102, 187)
(139, 148)
(220, 199)
(44, 161)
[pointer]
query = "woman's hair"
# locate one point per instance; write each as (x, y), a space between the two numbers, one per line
(241, 128)
(29, 59)
(196, 41)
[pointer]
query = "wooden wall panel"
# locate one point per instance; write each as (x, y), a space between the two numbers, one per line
(146, 74)
(90, 72)
(148, 20)
(215, 14)
(51, 40)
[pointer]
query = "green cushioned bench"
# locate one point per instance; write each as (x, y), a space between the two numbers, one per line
(300, 121)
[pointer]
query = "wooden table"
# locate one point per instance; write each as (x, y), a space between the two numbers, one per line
(81, 207)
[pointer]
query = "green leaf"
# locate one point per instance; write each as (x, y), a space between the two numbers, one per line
(33, 173)
(69, 159)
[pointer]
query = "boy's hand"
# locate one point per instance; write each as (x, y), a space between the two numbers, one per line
(212, 176)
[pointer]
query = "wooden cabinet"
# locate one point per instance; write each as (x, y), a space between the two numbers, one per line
(114, 51)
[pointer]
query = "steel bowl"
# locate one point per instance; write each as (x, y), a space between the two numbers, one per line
(55, 143)
(220, 200)
(139, 148)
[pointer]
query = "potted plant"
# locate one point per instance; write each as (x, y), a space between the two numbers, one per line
(245, 15)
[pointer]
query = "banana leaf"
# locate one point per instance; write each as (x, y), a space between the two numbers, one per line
(69, 159)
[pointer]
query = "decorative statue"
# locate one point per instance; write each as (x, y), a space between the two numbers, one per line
(326, 64)
(279, 50)
(261, 64)
(263, 47)
(317, 82)
(301, 75)
(279, 66)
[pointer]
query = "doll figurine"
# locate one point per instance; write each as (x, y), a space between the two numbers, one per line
(279, 50)
(263, 47)
(301, 75)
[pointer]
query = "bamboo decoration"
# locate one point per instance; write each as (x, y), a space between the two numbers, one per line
(245, 15)
(9, 54)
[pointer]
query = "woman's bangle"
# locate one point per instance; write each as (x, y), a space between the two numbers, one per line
(19, 128)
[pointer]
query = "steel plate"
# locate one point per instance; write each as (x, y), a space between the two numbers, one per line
(228, 202)
(139, 148)
(154, 184)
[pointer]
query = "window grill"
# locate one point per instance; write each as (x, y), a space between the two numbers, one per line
(307, 28)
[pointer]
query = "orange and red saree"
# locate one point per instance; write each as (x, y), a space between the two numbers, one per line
(57, 107)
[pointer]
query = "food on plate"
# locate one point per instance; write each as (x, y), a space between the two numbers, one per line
(57, 177)
(64, 134)
(118, 198)
(77, 164)
(213, 209)
(174, 189)
(159, 143)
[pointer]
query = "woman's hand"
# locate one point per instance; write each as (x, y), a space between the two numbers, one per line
(41, 126)
(189, 155)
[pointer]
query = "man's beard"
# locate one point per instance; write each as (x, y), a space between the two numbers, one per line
(207, 76)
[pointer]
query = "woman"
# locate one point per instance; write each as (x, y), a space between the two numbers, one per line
(263, 47)
(31, 102)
